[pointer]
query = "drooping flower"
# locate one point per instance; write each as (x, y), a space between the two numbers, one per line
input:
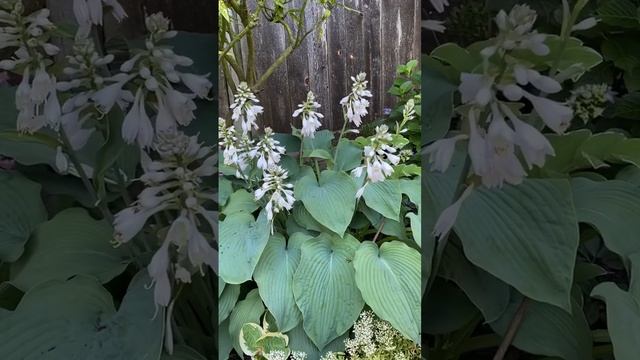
(439, 5)
(278, 191)
(434, 25)
(534, 146)
(379, 156)
(441, 152)
(310, 117)
(245, 108)
(355, 104)
(137, 125)
(502, 164)
(90, 12)
(267, 151)
(448, 217)
(555, 115)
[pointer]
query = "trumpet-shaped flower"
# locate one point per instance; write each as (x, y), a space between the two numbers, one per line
(355, 104)
(267, 151)
(277, 190)
(441, 152)
(310, 117)
(245, 108)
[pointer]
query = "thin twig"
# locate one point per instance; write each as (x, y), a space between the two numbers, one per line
(514, 326)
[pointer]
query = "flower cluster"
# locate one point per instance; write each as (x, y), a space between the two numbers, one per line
(153, 75)
(355, 104)
(496, 127)
(310, 117)
(36, 98)
(589, 101)
(174, 183)
(377, 339)
(245, 110)
(239, 152)
(436, 25)
(379, 156)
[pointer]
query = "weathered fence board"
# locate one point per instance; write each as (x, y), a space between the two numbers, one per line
(376, 38)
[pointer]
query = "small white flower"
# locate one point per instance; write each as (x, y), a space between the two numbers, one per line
(310, 122)
(129, 222)
(137, 125)
(585, 24)
(476, 88)
(72, 125)
(267, 151)
(181, 105)
(42, 86)
(280, 195)
(158, 271)
(434, 25)
(355, 105)
(534, 146)
(439, 5)
(198, 84)
(441, 152)
(448, 217)
(245, 110)
(555, 115)
(502, 162)
(107, 97)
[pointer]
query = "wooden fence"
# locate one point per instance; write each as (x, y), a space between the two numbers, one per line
(377, 38)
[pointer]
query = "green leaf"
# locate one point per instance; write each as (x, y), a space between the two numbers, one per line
(225, 344)
(461, 59)
(613, 208)
(437, 102)
(325, 289)
(384, 197)
(447, 308)
(62, 319)
(274, 275)
(242, 240)
(75, 240)
(21, 210)
(183, 352)
(549, 330)
(349, 156)
(622, 13)
(525, 235)
(299, 341)
(318, 146)
(621, 50)
(240, 200)
(628, 107)
(227, 301)
(248, 310)
(250, 333)
(331, 201)
(488, 294)
(416, 227)
(623, 319)
(389, 280)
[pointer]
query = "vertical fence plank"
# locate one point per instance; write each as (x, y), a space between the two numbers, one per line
(376, 38)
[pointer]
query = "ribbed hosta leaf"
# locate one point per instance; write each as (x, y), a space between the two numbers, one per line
(612, 207)
(242, 240)
(389, 280)
(274, 275)
(325, 288)
(70, 244)
(299, 341)
(227, 301)
(21, 210)
(65, 319)
(248, 310)
(385, 198)
(525, 235)
(331, 200)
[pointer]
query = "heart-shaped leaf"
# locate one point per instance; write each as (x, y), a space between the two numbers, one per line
(331, 200)
(389, 280)
(242, 240)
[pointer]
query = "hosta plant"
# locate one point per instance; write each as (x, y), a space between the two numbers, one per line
(532, 179)
(107, 209)
(315, 226)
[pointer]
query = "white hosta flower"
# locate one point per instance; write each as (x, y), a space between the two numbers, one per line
(181, 105)
(586, 24)
(476, 88)
(137, 125)
(546, 84)
(245, 110)
(198, 84)
(439, 5)
(441, 152)
(129, 222)
(534, 146)
(434, 25)
(502, 164)
(108, 96)
(73, 128)
(379, 158)
(267, 151)
(310, 117)
(355, 105)
(159, 272)
(90, 12)
(555, 115)
(277, 190)
(235, 151)
(448, 217)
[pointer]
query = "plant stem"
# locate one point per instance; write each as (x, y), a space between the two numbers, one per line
(97, 202)
(344, 128)
(279, 61)
(514, 326)
(375, 238)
